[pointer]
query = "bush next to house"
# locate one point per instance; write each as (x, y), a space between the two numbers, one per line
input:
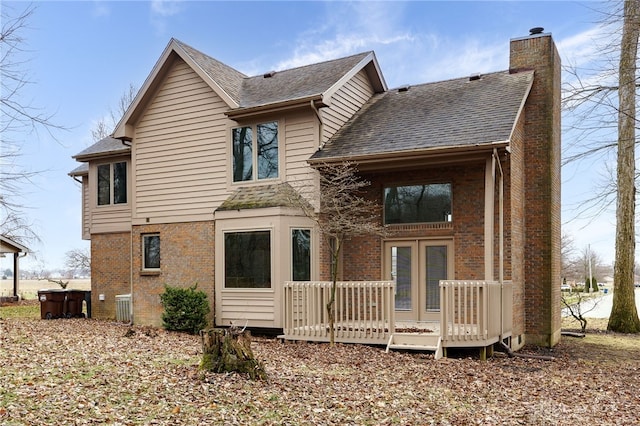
(185, 309)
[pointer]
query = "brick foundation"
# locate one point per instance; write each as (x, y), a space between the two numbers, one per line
(186, 258)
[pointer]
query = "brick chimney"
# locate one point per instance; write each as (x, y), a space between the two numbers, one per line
(540, 225)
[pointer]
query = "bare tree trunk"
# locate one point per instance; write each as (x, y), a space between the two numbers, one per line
(624, 315)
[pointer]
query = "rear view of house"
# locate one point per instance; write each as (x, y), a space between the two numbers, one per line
(188, 189)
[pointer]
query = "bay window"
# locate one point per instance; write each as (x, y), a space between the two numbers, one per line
(301, 255)
(247, 259)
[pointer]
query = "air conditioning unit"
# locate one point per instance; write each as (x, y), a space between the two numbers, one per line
(123, 307)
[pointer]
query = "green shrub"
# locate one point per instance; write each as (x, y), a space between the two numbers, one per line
(185, 309)
(591, 283)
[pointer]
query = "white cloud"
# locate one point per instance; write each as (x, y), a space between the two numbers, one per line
(165, 8)
(161, 10)
(369, 26)
(585, 46)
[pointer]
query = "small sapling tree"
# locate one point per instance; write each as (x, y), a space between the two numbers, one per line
(578, 304)
(343, 213)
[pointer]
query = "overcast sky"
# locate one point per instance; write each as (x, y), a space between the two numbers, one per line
(84, 55)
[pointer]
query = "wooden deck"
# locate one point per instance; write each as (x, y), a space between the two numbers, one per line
(473, 314)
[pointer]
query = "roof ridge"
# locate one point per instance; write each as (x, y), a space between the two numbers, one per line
(363, 54)
(454, 79)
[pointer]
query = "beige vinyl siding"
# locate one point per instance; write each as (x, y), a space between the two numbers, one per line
(345, 103)
(179, 151)
(301, 136)
(110, 219)
(239, 307)
(86, 215)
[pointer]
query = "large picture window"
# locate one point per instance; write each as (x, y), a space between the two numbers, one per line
(259, 152)
(112, 183)
(151, 252)
(301, 254)
(247, 259)
(417, 203)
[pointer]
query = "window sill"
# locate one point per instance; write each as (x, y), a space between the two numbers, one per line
(420, 226)
(150, 273)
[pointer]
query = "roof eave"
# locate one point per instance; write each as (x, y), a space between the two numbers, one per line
(414, 154)
(16, 247)
(289, 104)
(74, 173)
(100, 155)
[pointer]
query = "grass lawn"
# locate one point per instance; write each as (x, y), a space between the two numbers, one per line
(82, 371)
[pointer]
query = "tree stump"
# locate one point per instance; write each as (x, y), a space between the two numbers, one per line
(227, 350)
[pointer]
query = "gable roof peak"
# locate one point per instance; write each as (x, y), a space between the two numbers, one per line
(358, 56)
(227, 78)
(318, 80)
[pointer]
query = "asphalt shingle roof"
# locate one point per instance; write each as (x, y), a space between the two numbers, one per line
(263, 196)
(229, 79)
(296, 83)
(107, 145)
(81, 170)
(435, 115)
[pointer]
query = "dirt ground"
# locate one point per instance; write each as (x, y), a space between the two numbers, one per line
(81, 371)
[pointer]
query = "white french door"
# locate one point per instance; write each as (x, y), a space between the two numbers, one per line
(418, 266)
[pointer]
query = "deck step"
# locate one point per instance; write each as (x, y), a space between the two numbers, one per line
(416, 342)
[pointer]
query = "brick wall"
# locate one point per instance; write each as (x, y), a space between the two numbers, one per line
(110, 272)
(516, 209)
(186, 258)
(541, 141)
(362, 256)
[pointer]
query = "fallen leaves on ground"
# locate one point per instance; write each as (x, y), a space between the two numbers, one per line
(76, 372)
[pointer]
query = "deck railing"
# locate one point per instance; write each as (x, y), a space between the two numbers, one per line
(475, 313)
(364, 311)
(472, 313)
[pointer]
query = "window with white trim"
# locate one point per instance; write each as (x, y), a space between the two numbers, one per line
(301, 254)
(255, 152)
(112, 183)
(151, 252)
(247, 259)
(417, 203)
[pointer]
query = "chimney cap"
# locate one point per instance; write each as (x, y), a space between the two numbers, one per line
(536, 30)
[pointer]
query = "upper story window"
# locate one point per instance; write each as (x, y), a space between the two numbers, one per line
(255, 152)
(417, 203)
(112, 183)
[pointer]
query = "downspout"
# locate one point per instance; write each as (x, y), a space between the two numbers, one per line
(500, 238)
(317, 112)
(128, 143)
(131, 276)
